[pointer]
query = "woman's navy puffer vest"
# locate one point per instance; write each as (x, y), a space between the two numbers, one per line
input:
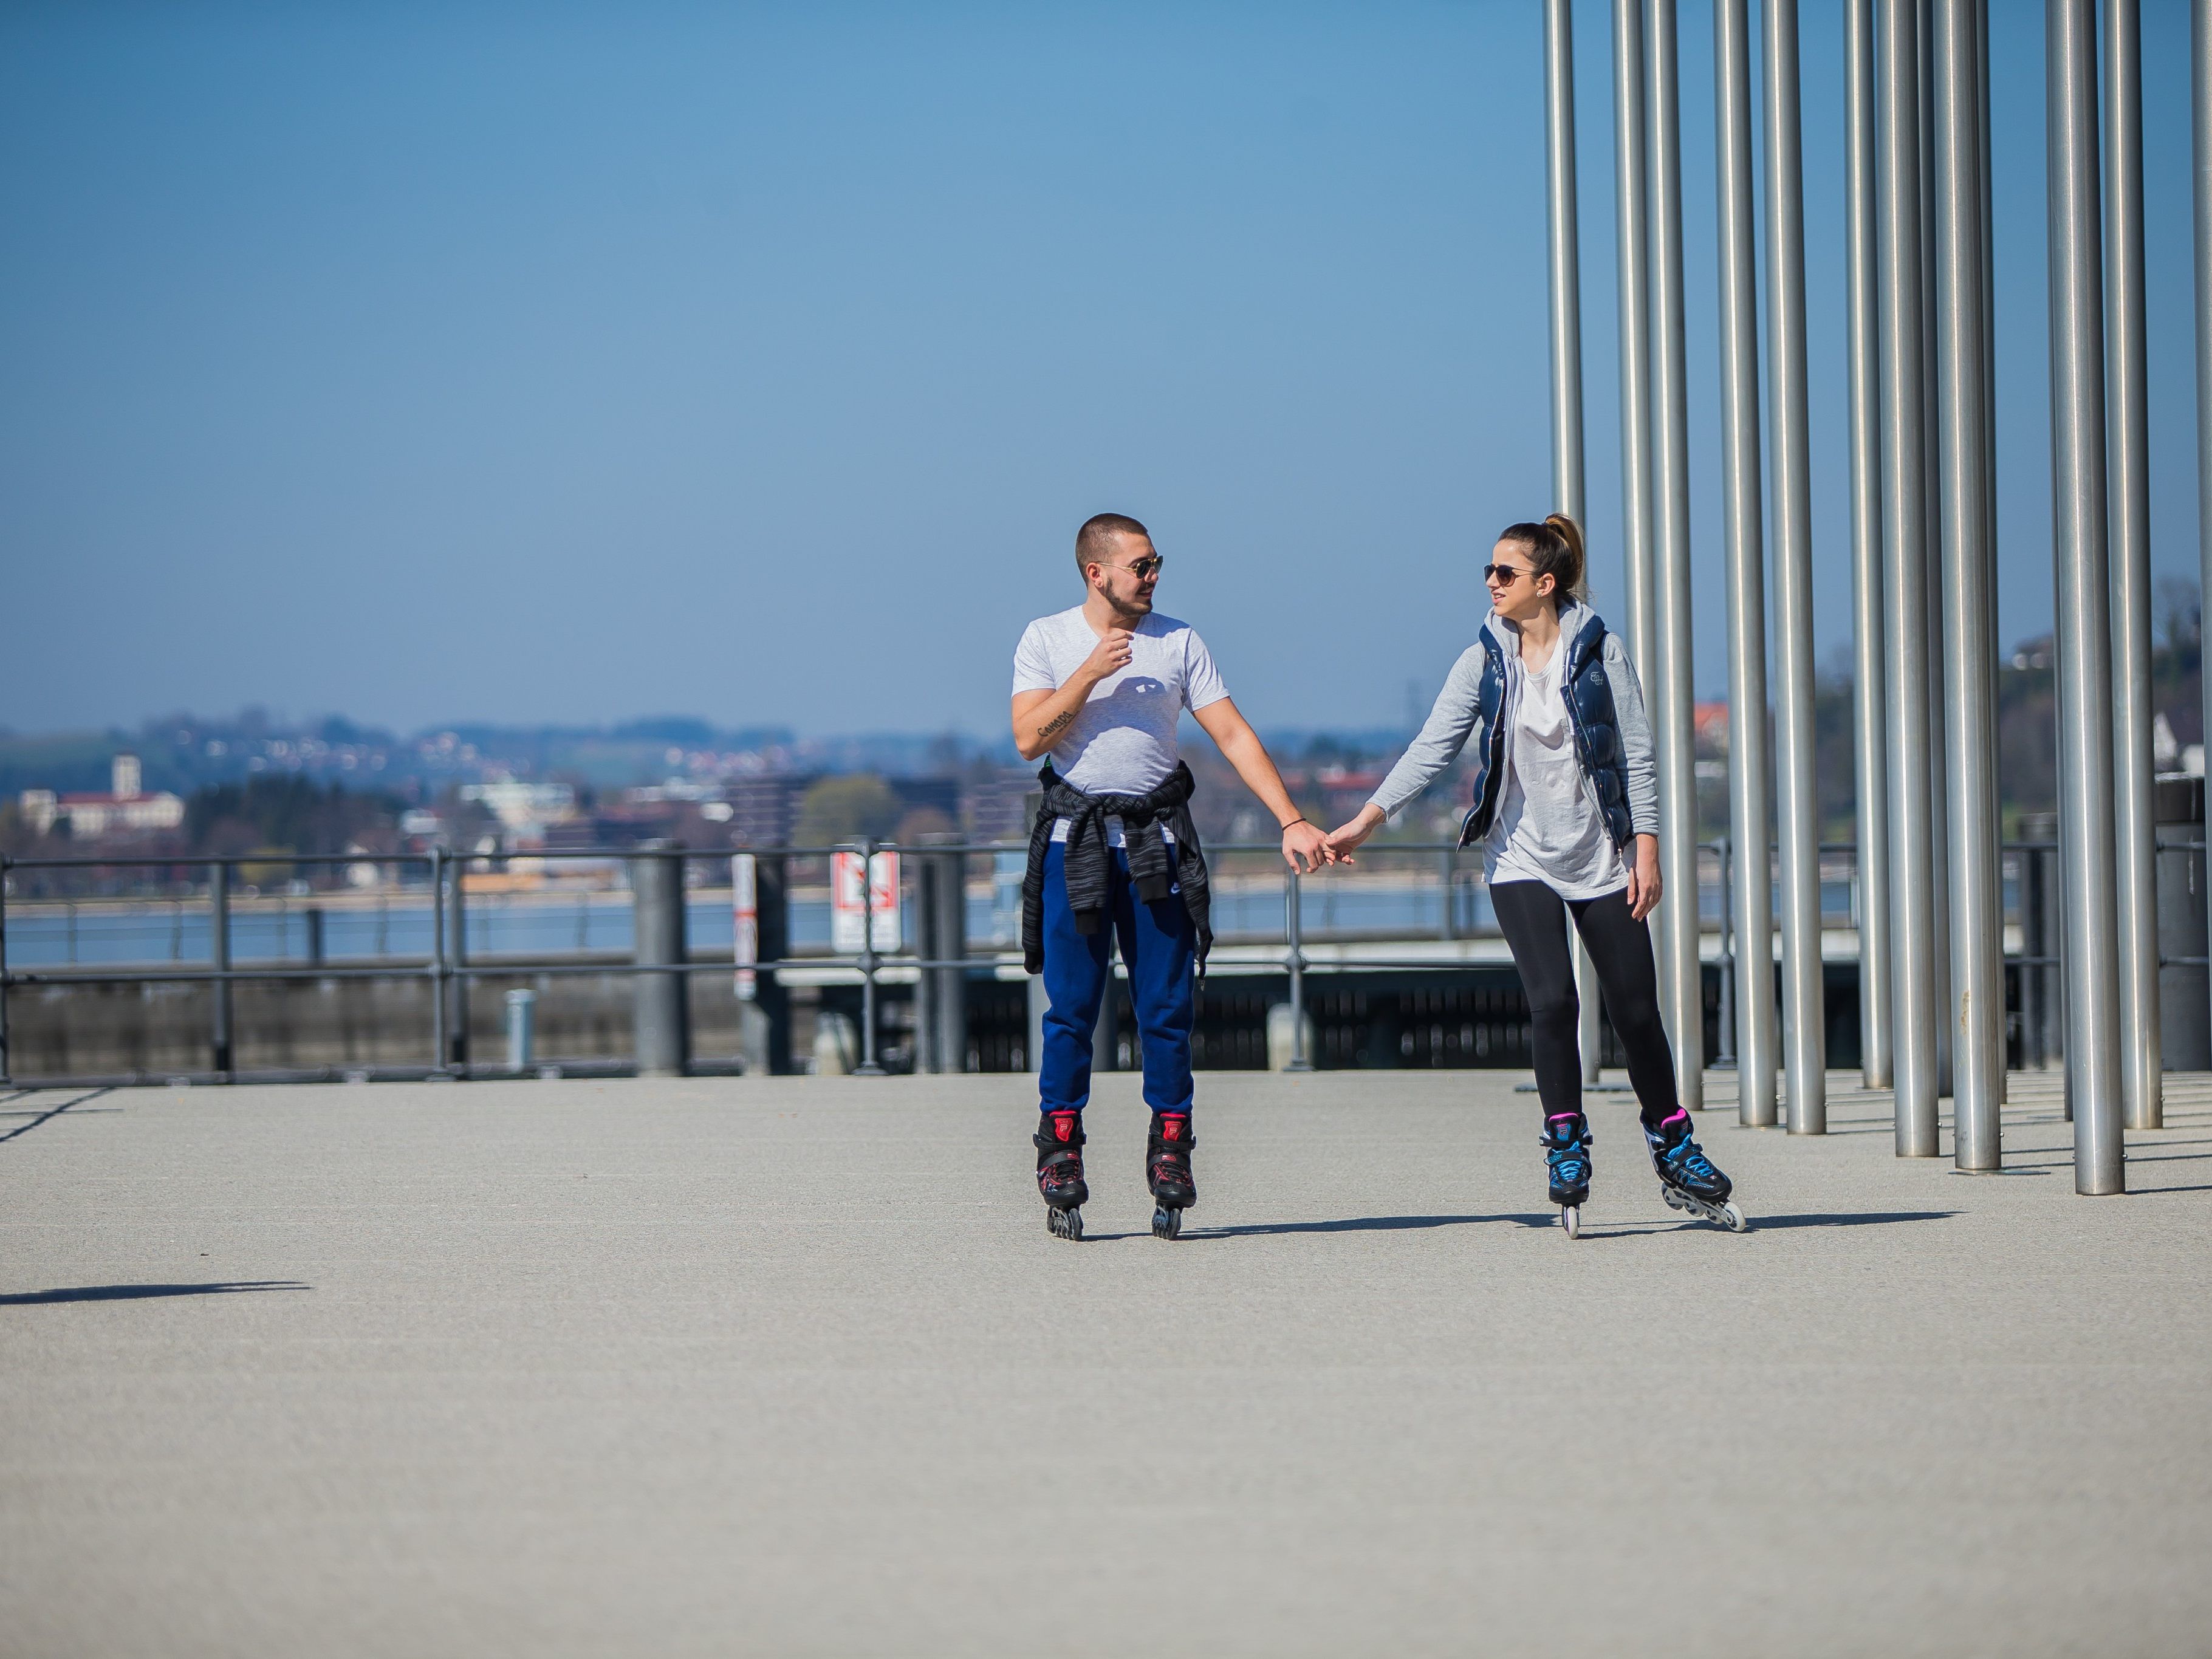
(1590, 712)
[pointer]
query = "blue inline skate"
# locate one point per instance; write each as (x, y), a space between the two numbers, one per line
(1687, 1179)
(1566, 1142)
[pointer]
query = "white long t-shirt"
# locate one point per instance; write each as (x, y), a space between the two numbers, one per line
(1549, 827)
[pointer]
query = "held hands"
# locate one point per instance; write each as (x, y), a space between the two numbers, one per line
(1305, 849)
(1644, 883)
(1341, 840)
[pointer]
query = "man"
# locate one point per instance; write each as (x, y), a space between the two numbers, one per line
(1100, 688)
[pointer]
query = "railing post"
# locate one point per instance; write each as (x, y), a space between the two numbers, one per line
(771, 898)
(456, 947)
(5, 1074)
(219, 960)
(1293, 903)
(662, 1032)
(2184, 1037)
(437, 969)
(1447, 874)
(521, 1030)
(1724, 1050)
(868, 1065)
(951, 1009)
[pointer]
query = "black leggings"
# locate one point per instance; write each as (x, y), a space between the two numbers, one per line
(1535, 919)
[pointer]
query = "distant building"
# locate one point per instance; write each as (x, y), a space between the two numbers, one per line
(527, 808)
(125, 809)
(764, 806)
(1344, 791)
(934, 794)
(995, 808)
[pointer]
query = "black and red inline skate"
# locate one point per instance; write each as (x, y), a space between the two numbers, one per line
(1060, 1173)
(1167, 1171)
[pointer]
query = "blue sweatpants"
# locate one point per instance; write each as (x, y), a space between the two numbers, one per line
(1159, 950)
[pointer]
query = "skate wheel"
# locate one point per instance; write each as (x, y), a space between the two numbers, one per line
(1571, 1217)
(1674, 1199)
(1731, 1218)
(1167, 1223)
(1064, 1223)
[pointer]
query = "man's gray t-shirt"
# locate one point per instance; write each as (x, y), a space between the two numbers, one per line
(1122, 740)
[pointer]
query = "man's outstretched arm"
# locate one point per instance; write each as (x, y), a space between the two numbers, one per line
(1304, 847)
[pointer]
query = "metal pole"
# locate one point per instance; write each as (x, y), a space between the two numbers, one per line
(1904, 521)
(1869, 654)
(1804, 1012)
(2200, 104)
(1976, 1006)
(438, 961)
(2135, 813)
(1294, 904)
(1632, 235)
(1681, 987)
(2083, 601)
(1566, 317)
(1752, 887)
(1979, 10)
(1931, 427)
(219, 959)
(868, 1068)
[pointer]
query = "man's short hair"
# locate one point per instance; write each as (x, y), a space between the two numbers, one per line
(1094, 542)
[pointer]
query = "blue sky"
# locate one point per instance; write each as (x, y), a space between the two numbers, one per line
(432, 363)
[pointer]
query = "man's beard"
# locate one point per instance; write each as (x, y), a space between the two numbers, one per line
(1140, 607)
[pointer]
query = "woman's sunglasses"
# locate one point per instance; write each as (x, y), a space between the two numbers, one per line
(1504, 574)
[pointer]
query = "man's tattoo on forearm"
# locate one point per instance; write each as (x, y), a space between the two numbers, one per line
(1055, 722)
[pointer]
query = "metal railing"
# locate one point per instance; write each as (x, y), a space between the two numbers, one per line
(448, 970)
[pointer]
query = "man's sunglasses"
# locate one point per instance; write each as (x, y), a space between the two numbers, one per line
(1504, 574)
(1144, 570)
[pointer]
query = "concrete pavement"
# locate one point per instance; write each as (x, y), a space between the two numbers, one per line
(791, 1367)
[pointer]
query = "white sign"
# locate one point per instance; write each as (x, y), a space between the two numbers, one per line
(745, 915)
(849, 916)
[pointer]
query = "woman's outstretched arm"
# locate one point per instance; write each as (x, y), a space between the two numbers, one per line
(1442, 736)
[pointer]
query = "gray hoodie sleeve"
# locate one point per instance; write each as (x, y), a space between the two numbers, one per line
(1443, 735)
(1635, 738)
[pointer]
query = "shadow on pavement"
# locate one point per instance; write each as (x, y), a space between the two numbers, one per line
(137, 1293)
(1767, 1224)
(1369, 1223)
(48, 1116)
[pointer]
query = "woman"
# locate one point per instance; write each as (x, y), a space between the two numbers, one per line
(1567, 809)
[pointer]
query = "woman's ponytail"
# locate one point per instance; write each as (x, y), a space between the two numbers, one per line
(1555, 549)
